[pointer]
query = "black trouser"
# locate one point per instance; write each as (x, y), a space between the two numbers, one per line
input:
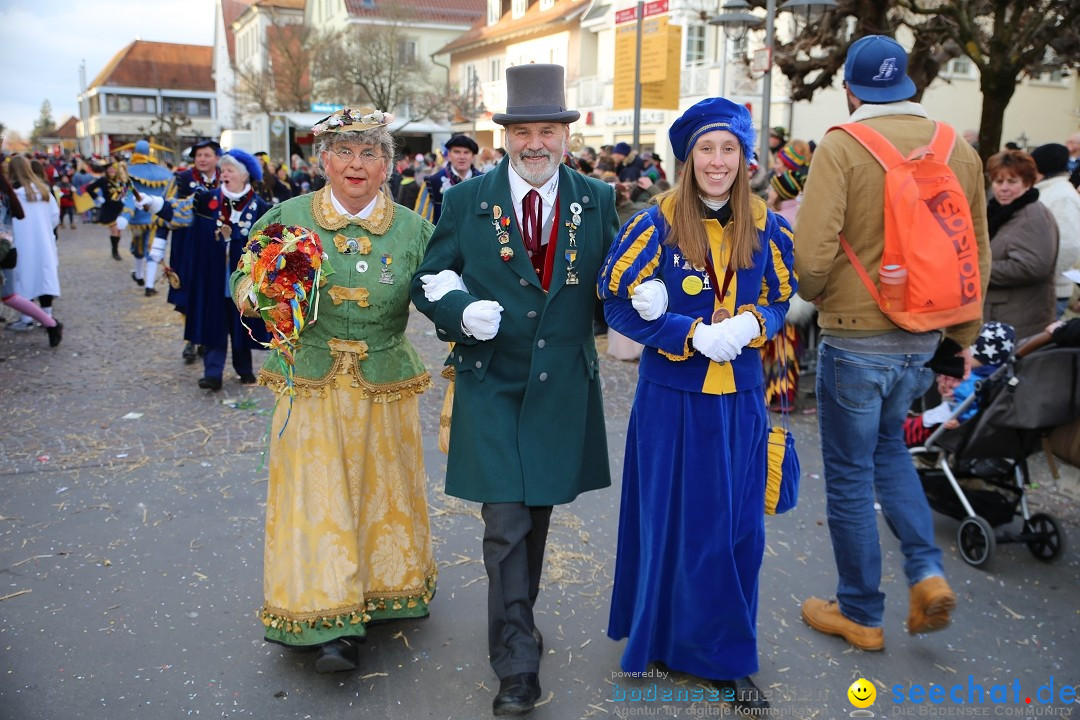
(514, 539)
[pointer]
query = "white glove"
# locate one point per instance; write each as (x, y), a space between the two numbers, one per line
(481, 319)
(151, 203)
(121, 223)
(650, 299)
(723, 342)
(435, 286)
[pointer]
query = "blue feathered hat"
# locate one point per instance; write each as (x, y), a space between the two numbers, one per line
(250, 163)
(712, 114)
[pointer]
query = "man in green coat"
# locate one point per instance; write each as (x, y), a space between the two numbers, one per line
(510, 277)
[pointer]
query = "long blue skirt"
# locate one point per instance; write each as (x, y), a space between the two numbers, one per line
(691, 532)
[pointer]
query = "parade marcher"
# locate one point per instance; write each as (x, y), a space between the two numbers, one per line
(870, 370)
(110, 190)
(221, 222)
(347, 532)
(203, 176)
(11, 211)
(513, 287)
(148, 178)
(460, 151)
(698, 278)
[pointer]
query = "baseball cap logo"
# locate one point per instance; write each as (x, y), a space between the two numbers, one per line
(887, 70)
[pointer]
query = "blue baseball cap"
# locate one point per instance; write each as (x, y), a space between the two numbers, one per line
(876, 70)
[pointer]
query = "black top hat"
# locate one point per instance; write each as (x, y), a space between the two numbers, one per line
(535, 93)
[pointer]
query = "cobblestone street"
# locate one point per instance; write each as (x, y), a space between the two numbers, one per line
(131, 527)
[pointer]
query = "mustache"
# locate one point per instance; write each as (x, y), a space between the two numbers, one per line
(535, 154)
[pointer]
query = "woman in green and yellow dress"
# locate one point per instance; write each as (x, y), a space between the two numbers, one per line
(347, 534)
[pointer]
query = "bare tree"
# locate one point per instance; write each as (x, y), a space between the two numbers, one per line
(166, 129)
(378, 64)
(284, 82)
(1006, 39)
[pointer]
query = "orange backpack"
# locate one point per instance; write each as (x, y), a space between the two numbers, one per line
(929, 274)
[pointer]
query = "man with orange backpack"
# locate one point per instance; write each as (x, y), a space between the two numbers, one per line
(892, 246)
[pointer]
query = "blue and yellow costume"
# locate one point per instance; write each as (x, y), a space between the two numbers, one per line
(147, 178)
(691, 528)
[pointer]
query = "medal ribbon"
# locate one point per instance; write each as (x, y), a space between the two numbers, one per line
(720, 294)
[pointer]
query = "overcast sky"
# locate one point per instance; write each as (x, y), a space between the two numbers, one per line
(45, 41)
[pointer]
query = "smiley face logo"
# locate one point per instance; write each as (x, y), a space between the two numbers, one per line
(862, 693)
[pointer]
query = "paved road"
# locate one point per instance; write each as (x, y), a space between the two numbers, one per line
(131, 551)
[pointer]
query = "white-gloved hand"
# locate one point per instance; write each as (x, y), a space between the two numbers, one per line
(742, 329)
(708, 340)
(725, 341)
(481, 319)
(435, 286)
(121, 223)
(650, 299)
(151, 203)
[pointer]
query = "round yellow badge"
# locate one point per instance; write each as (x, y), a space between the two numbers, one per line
(861, 693)
(692, 285)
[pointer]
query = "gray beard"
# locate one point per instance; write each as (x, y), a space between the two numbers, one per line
(535, 177)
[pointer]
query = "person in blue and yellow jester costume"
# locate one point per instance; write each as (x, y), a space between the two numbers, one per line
(220, 223)
(348, 540)
(460, 152)
(154, 180)
(697, 279)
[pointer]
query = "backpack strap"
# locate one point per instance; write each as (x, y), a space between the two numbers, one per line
(875, 143)
(943, 142)
(859, 269)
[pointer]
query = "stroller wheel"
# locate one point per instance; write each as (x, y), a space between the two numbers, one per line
(1049, 541)
(976, 541)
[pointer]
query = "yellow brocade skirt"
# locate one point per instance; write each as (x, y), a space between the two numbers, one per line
(347, 534)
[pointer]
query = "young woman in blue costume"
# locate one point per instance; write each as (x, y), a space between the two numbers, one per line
(697, 279)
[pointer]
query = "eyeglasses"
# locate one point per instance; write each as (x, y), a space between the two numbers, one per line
(366, 157)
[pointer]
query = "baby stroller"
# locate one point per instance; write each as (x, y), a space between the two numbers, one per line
(977, 472)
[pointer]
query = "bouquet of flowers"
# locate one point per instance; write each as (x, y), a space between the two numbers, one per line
(285, 264)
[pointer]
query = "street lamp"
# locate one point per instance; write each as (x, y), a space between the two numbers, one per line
(737, 20)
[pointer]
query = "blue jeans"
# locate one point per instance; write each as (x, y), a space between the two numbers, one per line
(862, 401)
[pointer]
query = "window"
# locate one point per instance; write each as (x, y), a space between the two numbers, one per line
(519, 7)
(739, 47)
(407, 53)
(95, 104)
(496, 69)
(136, 104)
(494, 11)
(960, 67)
(695, 44)
(546, 4)
(186, 106)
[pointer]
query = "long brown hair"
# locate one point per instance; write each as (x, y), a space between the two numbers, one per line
(14, 206)
(688, 212)
(35, 188)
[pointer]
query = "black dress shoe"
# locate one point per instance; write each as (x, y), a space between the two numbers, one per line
(56, 332)
(517, 694)
(138, 281)
(116, 255)
(210, 383)
(150, 291)
(744, 695)
(338, 656)
(247, 379)
(189, 354)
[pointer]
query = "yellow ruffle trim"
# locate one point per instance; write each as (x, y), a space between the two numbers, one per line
(759, 341)
(686, 345)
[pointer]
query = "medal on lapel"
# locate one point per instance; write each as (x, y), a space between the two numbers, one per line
(571, 271)
(571, 253)
(720, 315)
(502, 229)
(386, 277)
(506, 252)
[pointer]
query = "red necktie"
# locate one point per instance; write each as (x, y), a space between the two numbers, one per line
(531, 221)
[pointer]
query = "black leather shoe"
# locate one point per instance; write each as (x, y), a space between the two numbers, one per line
(338, 656)
(150, 291)
(745, 696)
(189, 354)
(210, 383)
(138, 281)
(517, 694)
(116, 255)
(247, 379)
(56, 332)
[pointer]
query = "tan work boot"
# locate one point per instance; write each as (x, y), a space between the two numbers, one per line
(931, 601)
(824, 616)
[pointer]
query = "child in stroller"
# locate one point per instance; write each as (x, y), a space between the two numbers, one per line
(977, 470)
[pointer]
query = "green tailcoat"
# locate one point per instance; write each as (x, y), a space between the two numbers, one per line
(528, 423)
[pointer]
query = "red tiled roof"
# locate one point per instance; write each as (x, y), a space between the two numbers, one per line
(159, 65)
(534, 22)
(67, 129)
(451, 12)
(283, 4)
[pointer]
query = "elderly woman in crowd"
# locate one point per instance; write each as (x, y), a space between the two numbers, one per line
(222, 220)
(1023, 246)
(699, 279)
(347, 535)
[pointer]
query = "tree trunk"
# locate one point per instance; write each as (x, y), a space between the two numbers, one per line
(997, 86)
